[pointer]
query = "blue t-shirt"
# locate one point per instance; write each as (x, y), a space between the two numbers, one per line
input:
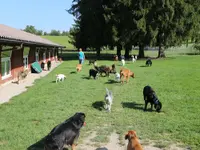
(80, 55)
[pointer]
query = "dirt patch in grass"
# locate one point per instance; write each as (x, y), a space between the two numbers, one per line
(114, 143)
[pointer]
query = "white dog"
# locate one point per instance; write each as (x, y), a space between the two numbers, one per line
(117, 76)
(133, 59)
(108, 100)
(123, 62)
(60, 77)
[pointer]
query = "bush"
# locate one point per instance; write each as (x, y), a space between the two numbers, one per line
(197, 47)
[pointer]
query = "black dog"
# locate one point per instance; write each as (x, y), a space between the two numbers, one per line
(49, 65)
(106, 70)
(65, 133)
(150, 97)
(92, 62)
(149, 62)
(93, 73)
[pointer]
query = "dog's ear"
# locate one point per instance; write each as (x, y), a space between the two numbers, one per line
(127, 136)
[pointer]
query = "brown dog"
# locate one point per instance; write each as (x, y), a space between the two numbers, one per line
(79, 67)
(126, 74)
(115, 58)
(133, 141)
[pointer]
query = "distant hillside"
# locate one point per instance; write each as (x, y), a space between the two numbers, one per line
(62, 40)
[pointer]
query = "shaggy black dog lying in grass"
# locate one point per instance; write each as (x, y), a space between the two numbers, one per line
(93, 73)
(149, 62)
(150, 97)
(65, 133)
(105, 69)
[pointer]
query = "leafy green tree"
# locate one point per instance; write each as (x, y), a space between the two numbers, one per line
(39, 32)
(30, 29)
(55, 33)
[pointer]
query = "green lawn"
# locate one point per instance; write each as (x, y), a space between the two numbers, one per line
(62, 40)
(30, 116)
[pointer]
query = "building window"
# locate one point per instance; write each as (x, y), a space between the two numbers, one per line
(25, 57)
(25, 62)
(6, 62)
(5, 67)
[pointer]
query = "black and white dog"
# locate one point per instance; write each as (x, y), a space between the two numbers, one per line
(150, 97)
(93, 73)
(148, 62)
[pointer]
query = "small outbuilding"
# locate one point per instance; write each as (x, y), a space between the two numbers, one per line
(19, 49)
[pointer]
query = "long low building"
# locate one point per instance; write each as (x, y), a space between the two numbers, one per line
(19, 49)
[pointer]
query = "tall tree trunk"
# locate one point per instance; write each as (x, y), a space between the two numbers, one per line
(98, 50)
(141, 51)
(119, 48)
(127, 50)
(187, 42)
(161, 52)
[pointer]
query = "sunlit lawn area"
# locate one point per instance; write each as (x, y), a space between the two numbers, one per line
(30, 116)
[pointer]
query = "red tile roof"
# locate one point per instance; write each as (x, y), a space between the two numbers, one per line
(10, 33)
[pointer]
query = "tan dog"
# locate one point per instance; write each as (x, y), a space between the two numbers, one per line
(133, 141)
(126, 74)
(115, 58)
(79, 67)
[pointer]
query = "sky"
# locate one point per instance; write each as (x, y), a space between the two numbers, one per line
(43, 14)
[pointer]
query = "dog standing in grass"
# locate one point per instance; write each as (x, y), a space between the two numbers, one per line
(148, 62)
(60, 77)
(78, 67)
(133, 141)
(117, 77)
(134, 58)
(126, 74)
(108, 100)
(150, 97)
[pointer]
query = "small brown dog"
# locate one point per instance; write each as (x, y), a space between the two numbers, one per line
(79, 67)
(126, 74)
(115, 58)
(133, 141)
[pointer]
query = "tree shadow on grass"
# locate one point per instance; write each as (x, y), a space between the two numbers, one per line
(39, 145)
(99, 105)
(111, 81)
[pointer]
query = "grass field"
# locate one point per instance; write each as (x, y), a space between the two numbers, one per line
(30, 116)
(62, 40)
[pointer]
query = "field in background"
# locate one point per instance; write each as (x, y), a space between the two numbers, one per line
(62, 40)
(173, 51)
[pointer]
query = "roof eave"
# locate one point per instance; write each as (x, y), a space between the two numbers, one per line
(28, 43)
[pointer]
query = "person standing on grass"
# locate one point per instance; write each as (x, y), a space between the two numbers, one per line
(81, 56)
